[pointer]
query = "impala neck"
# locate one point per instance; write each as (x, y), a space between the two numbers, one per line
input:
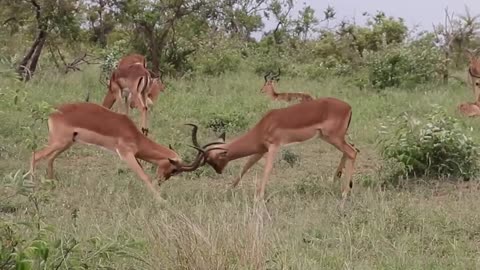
(151, 151)
(245, 145)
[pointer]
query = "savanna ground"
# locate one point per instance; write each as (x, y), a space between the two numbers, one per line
(206, 225)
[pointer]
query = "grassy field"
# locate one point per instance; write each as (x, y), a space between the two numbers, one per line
(206, 225)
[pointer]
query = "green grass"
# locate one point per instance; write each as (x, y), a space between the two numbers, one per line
(206, 225)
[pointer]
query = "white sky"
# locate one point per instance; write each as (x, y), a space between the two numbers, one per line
(415, 12)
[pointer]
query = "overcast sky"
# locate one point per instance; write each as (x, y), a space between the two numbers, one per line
(415, 12)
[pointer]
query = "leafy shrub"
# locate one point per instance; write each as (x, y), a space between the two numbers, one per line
(218, 63)
(437, 147)
(290, 157)
(402, 66)
(111, 56)
(217, 56)
(232, 121)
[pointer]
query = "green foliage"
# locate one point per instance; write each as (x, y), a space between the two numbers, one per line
(227, 121)
(35, 245)
(435, 147)
(404, 66)
(216, 57)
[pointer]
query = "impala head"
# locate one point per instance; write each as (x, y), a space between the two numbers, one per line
(472, 54)
(175, 166)
(270, 80)
(156, 87)
(214, 155)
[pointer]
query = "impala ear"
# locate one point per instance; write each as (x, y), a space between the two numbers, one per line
(149, 101)
(223, 154)
(173, 162)
(222, 136)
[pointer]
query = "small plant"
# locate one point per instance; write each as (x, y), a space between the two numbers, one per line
(436, 147)
(290, 157)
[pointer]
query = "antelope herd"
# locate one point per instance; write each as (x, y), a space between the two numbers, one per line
(137, 87)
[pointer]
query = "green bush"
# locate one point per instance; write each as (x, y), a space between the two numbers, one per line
(404, 66)
(232, 121)
(436, 147)
(217, 56)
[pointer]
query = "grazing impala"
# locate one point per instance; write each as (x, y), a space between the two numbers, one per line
(269, 89)
(474, 72)
(329, 118)
(93, 124)
(135, 85)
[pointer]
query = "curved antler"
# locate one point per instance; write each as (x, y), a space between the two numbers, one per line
(276, 75)
(194, 135)
(266, 76)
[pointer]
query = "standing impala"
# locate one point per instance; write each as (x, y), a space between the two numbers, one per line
(269, 89)
(474, 72)
(93, 124)
(132, 82)
(132, 59)
(329, 118)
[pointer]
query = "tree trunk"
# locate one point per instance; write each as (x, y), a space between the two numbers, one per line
(445, 66)
(28, 65)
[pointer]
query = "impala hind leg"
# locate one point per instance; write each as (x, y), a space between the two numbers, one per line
(144, 113)
(52, 158)
(250, 162)
(339, 171)
(349, 154)
(49, 152)
(271, 154)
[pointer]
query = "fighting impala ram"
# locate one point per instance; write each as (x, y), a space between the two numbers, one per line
(132, 82)
(269, 89)
(93, 124)
(474, 72)
(329, 118)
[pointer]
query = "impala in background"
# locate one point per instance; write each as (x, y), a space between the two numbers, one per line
(132, 83)
(474, 72)
(269, 89)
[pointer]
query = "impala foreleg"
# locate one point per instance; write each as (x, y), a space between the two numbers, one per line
(109, 100)
(250, 162)
(132, 162)
(271, 154)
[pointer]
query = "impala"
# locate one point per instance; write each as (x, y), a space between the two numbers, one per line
(269, 89)
(93, 124)
(469, 109)
(132, 59)
(329, 118)
(474, 72)
(134, 84)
